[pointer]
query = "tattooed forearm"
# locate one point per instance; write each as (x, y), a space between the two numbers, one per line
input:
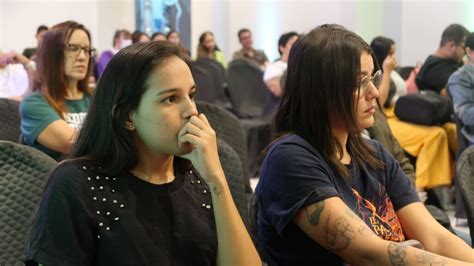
(397, 254)
(425, 258)
(365, 231)
(314, 214)
(338, 234)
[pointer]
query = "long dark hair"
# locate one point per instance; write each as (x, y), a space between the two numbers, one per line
(103, 139)
(50, 65)
(381, 47)
(323, 74)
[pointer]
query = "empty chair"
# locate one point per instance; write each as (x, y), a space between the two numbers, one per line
(23, 175)
(233, 171)
(9, 120)
(465, 178)
(247, 92)
(204, 83)
(219, 77)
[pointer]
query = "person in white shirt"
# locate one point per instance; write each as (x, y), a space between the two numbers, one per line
(14, 75)
(275, 70)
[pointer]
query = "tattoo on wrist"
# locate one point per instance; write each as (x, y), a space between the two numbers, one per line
(217, 190)
(426, 258)
(314, 215)
(338, 234)
(397, 254)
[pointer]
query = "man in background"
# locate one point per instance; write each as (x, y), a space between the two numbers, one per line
(247, 51)
(435, 72)
(30, 53)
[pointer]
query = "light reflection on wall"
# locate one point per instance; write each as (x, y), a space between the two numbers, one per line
(268, 25)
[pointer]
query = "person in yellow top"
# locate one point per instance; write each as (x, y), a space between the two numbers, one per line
(207, 48)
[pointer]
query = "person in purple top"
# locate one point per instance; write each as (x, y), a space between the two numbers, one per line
(122, 39)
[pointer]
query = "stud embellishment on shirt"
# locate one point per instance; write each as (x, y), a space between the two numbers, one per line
(88, 178)
(204, 191)
(97, 177)
(101, 224)
(108, 213)
(121, 205)
(98, 236)
(116, 219)
(208, 207)
(84, 167)
(104, 199)
(114, 201)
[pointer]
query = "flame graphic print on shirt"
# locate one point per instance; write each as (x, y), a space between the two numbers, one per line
(380, 216)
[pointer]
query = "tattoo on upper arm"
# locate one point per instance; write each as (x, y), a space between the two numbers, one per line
(426, 258)
(313, 215)
(350, 213)
(338, 234)
(397, 254)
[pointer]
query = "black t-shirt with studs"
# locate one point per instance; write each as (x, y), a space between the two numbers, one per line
(89, 218)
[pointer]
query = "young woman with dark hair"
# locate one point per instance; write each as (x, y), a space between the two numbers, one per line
(430, 144)
(327, 196)
(55, 111)
(207, 48)
(144, 185)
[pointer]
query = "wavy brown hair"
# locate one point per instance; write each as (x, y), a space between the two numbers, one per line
(50, 65)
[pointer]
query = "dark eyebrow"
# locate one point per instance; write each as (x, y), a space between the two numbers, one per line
(173, 90)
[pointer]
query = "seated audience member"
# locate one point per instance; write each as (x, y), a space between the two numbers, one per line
(461, 89)
(140, 37)
(247, 51)
(434, 166)
(207, 48)
(31, 52)
(144, 185)
(122, 39)
(274, 71)
(341, 199)
(437, 68)
(15, 72)
(158, 36)
(173, 37)
(51, 116)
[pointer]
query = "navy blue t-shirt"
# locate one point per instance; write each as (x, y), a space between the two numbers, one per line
(294, 175)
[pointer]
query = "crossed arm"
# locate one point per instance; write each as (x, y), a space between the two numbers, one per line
(334, 226)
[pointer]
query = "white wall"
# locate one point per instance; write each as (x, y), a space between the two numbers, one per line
(20, 18)
(415, 25)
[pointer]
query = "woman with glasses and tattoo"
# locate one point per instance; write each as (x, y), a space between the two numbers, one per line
(144, 185)
(52, 114)
(328, 196)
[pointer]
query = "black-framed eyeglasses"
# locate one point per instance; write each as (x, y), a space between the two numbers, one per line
(365, 82)
(75, 49)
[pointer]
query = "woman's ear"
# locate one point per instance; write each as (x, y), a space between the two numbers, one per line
(129, 125)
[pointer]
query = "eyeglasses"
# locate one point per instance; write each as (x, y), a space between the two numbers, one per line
(365, 82)
(75, 50)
